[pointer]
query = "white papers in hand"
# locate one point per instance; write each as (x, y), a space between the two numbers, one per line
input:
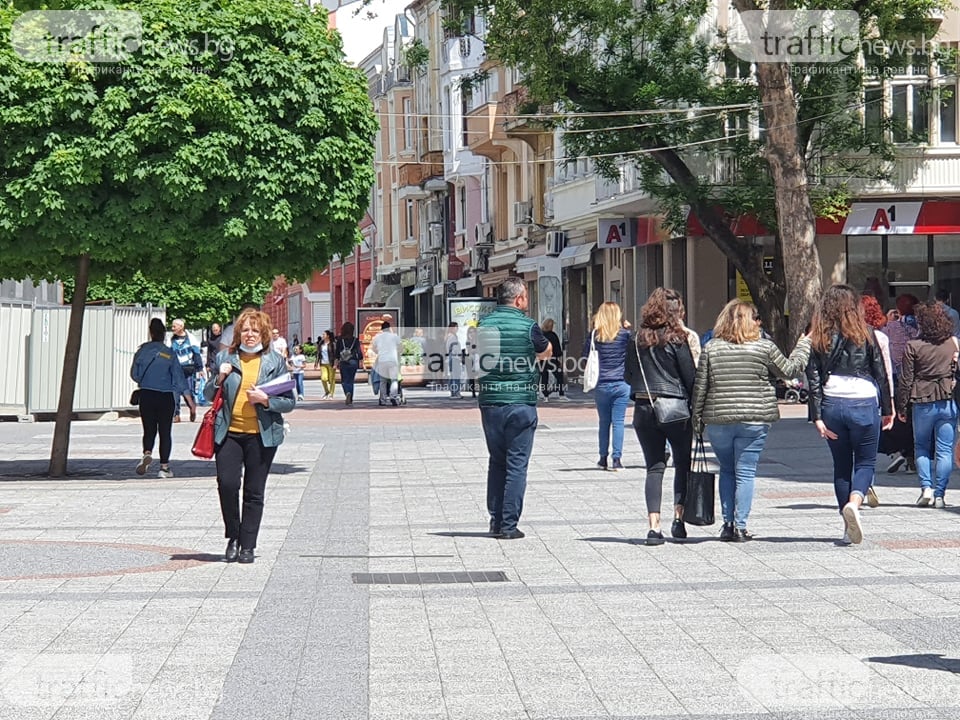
(278, 386)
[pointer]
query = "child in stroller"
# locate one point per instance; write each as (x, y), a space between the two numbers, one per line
(375, 384)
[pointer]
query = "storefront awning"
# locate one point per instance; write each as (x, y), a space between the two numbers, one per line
(467, 283)
(502, 259)
(421, 290)
(378, 292)
(576, 255)
(527, 264)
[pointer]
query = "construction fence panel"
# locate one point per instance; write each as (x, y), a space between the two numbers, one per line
(130, 330)
(15, 319)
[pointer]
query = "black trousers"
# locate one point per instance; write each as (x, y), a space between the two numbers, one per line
(156, 416)
(243, 460)
(653, 439)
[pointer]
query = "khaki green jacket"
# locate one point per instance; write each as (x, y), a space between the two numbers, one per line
(734, 382)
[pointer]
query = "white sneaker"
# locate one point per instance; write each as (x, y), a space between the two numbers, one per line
(165, 473)
(851, 514)
(144, 463)
(926, 497)
(563, 398)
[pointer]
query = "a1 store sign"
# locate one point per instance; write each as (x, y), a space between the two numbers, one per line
(616, 233)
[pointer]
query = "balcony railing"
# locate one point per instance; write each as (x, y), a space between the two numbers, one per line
(484, 129)
(627, 182)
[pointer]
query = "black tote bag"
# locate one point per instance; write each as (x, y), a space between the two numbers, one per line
(699, 506)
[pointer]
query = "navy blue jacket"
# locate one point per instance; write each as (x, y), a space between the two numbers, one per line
(613, 356)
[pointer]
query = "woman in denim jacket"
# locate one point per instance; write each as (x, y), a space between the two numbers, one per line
(248, 429)
(611, 339)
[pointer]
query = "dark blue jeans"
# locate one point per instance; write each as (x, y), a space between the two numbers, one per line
(509, 431)
(348, 375)
(856, 421)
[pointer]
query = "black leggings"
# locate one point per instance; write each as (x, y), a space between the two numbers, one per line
(156, 415)
(653, 439)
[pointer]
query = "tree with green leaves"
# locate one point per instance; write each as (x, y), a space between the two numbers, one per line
(199, 303)
(696, 104)
(226, 142)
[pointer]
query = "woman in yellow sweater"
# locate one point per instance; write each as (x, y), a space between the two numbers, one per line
(248, 429)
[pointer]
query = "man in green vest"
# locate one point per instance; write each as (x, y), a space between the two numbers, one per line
(509, 345)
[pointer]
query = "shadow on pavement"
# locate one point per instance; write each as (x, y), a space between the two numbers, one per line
(79, 468)
(805, 506)
(928, 661)
(199, 557)
(463, 534)
(828, 540)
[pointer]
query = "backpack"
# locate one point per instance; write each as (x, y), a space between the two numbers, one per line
(185, 353)
(347, 353)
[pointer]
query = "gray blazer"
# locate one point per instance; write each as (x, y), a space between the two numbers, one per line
(269, 419)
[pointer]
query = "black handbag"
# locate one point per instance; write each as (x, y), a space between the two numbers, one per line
(135, 397)
(666, 409)
(699, 505)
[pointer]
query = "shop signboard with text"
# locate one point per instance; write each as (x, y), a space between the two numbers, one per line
(369, 324)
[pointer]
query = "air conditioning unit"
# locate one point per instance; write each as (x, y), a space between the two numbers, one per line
(479, 260)
(521, 213)
(556, 242)
(481, 234)
(435, 236)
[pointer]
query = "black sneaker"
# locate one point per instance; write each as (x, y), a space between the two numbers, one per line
(654, 537)
(602, 462)
(617, 465)
(678, 530)
(743, 535)
(728, 534)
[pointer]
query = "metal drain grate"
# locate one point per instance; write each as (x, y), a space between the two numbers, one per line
(429, 578)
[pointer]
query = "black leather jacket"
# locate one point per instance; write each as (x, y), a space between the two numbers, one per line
(845, 358)
(672, 377)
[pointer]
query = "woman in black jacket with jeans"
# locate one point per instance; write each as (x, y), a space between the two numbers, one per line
(849, 391)
(659, 364)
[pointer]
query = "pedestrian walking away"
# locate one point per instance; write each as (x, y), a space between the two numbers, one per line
(927, 384)
(554, 366)
(348, 355)
(849, 398)
(247, 430)
(874, 316)
(734, 400)
(610, 339)
(659, 364)
(508, 402)
(157, 371)
(900, 329)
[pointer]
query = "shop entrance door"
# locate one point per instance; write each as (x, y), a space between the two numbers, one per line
(891, 265)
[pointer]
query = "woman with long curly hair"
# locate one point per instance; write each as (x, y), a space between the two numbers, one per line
(927, 383)
(849, 392)
(734, 399)
(610, 338)
(660, 364)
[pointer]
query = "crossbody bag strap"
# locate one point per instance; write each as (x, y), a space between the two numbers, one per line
(664, 373)
(636, 346)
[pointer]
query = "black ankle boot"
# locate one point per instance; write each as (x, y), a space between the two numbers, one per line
(728, 534)
(233, 551)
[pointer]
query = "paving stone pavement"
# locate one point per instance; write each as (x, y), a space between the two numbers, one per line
(115, 601)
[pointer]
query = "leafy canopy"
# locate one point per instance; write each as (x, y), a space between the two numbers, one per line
(623, 56)
(234, 144)
(199, 303)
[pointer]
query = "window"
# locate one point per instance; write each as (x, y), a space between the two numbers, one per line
(410, 218)
(485, 182)
(899, 86)
(408, 124)
(461, 207)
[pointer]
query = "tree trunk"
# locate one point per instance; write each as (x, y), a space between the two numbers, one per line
(795, 218)
(68, 381)
(768, 292)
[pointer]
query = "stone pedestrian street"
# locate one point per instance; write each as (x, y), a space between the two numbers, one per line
(376, 593)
